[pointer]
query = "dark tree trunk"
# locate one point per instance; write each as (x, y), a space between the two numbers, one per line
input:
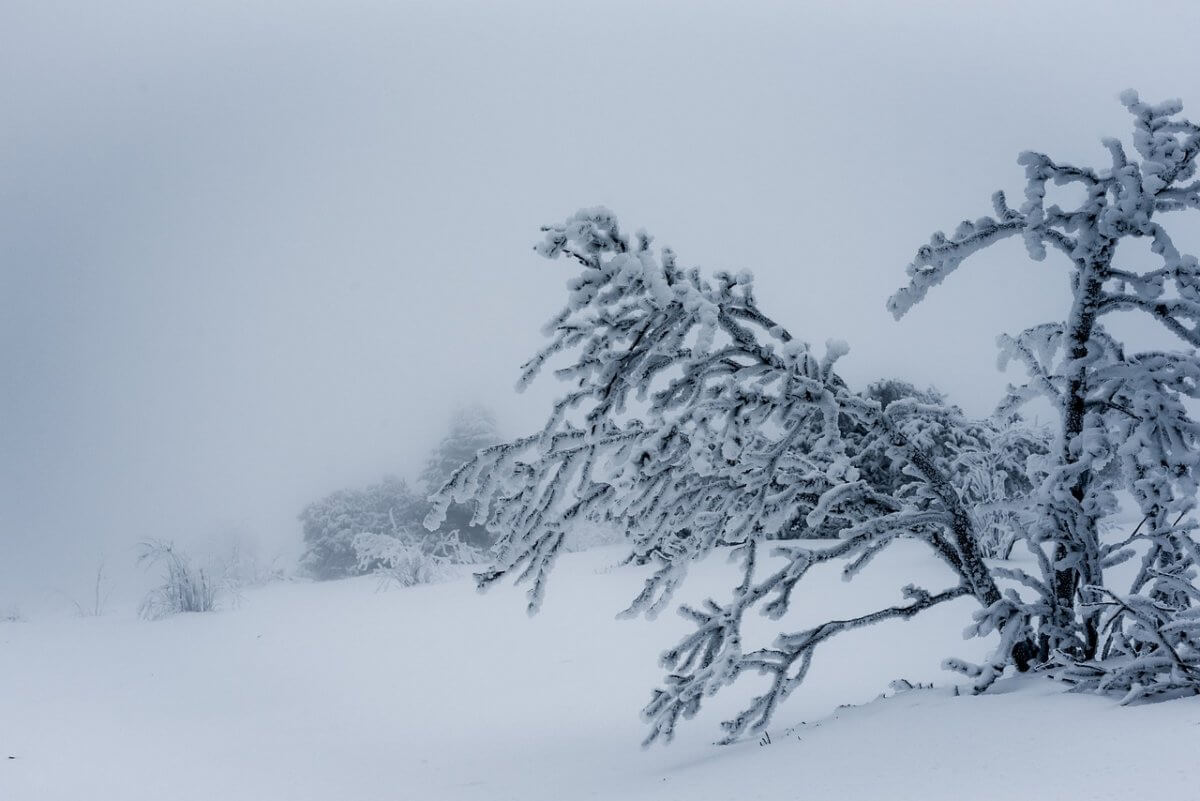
(1082, 534)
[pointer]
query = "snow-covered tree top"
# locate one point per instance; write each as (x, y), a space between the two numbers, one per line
(1120, 201)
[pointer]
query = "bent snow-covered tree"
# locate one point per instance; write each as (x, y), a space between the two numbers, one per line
(695, 422)
(1123, 424)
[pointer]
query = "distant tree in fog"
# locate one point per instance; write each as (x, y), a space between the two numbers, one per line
(472, 428)
(353, 532)
(331, 524)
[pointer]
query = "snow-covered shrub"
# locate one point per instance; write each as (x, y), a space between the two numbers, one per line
(97, 598)
(237, 563)
(398, 560)
(93, 602)
(407, 558)
(184, 588)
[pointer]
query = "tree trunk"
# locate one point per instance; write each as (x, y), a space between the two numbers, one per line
(1081, 536)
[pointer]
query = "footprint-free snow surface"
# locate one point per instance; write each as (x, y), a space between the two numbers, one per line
(341, 692)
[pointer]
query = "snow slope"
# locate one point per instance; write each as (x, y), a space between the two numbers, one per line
(339, 691)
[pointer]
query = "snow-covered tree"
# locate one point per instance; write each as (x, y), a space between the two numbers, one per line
(472, 428)
(1124, 425)
(696, 422)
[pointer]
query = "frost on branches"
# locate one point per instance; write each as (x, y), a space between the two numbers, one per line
(406, 559)
(1124, 426)
(696, 422)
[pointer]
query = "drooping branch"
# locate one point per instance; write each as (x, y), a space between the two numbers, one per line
(695, 422)
(712, 656)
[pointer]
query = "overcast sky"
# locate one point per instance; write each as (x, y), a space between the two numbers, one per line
(251, 252)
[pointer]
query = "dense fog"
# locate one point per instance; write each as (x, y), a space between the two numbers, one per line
(254, 252)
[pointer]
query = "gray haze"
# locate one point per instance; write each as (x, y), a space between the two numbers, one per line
(251, 252)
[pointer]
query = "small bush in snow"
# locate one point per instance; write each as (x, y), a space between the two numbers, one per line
(237, 563)
(93, 605)
(408, 559)
(185, 588)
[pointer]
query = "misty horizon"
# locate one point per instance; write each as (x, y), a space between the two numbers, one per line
(253, 257)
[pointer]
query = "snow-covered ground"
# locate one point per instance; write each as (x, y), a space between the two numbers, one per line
(339, 691)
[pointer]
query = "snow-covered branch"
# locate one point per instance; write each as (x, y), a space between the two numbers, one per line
(693, 422)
